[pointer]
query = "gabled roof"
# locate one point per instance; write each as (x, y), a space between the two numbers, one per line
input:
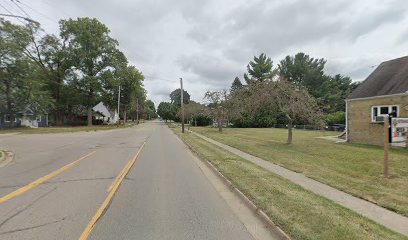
(102, 109)
(390, 77)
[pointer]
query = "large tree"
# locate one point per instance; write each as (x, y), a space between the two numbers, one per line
(175, 97)
(303, 70)
(91, 51)
(22, 84)
(167, 111)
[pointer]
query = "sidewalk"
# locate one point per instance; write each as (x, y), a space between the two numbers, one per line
(387, 218)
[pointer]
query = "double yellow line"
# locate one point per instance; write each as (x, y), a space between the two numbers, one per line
(112, 190)
(41, 180)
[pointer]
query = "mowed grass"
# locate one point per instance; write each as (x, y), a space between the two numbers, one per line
(300, 213)
(353, 168)
(65, 129)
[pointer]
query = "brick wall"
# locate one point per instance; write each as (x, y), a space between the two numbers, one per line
(360, 128)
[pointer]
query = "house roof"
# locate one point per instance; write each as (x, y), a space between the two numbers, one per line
(101, 108)
(390, 77)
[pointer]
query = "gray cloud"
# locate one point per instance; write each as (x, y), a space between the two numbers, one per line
(210, 42)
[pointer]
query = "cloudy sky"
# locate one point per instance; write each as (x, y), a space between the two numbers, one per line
(209, 42)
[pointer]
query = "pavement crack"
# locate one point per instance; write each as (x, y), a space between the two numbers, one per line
(26, 207)
(80, 180)
(33, 227)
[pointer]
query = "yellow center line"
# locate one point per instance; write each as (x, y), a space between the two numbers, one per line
(42, 179)
(112, 190)
(118, 176)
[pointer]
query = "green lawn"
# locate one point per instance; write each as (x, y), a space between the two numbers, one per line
(65, 129)
(300, 213)
(353, 168)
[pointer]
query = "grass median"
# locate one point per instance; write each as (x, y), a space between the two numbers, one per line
(353, 168)
(300, 213)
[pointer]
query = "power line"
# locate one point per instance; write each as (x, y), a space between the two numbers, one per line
(38, 12)
(11, 14)
(19, 17)
(18, 6)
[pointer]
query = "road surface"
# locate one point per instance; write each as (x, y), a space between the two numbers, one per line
(165, 195)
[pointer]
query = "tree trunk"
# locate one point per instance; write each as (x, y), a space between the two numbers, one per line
(90, 116)
(125, 116)
(219, 122)
(195, 122)
(290, 132)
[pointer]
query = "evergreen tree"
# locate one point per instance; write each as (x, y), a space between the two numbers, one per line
(236, 85)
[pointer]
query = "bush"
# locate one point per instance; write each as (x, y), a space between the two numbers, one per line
(336, 118)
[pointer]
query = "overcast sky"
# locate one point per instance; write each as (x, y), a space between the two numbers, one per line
(208, 43)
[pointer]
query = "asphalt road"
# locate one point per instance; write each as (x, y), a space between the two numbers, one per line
(165, 195)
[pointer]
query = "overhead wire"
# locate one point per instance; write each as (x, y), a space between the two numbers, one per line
(12, 14)
(36, 11)
(21, 9)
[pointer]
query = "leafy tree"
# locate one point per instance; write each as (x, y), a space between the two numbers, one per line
(236, 85)
(21, 82)
(260, 69)
(337, 88)
(303, 70)
(149, 110)
(175, 97)
(132, 92)
(191, 111)
(293, 102)
(218, 106)
(167, 111)
(91, 51)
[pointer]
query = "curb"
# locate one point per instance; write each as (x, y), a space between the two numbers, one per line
(259, 212)
(6, 158)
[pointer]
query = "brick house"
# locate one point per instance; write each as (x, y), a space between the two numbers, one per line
(383, 93)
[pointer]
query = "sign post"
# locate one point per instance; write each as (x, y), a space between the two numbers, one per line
(386, 145)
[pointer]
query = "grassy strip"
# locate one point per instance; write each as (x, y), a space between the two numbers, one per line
(65, 129)
(1, 154)
(353, 168)
(300, 213)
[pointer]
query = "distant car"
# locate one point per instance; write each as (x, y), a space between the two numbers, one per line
(337, 127)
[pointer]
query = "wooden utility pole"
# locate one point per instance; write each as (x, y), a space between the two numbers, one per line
(386, 145)
(182, 105)
(118, 106)
(137, 110)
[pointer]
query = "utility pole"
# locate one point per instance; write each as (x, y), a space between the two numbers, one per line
(137, 110)
(118, 105)
(182, 105)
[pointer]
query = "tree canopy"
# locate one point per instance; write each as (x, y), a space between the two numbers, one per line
(175, 97)
(63, 74)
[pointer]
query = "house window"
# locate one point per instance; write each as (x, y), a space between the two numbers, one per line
(9, 118)
(383, 111)
(38, 119)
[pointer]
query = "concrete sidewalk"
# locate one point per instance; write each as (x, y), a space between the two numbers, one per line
(387, 218)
